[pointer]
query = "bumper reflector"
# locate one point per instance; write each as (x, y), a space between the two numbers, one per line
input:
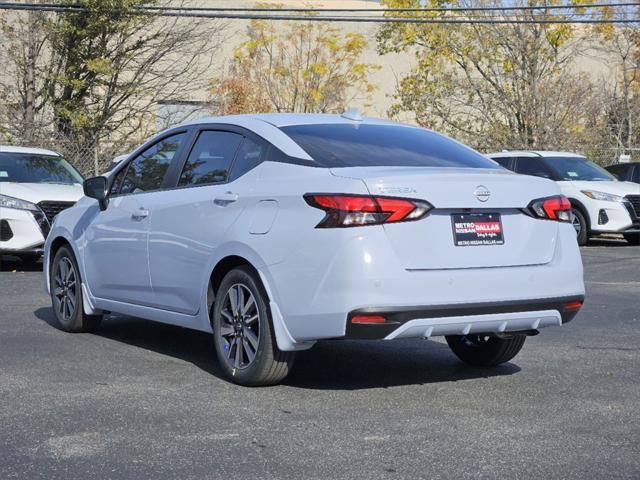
(368, 319)
(573, 306)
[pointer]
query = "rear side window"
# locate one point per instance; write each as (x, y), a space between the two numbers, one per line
(364, 145)
(146, 172)
(210, 158)
(533, 166)
(248, 157)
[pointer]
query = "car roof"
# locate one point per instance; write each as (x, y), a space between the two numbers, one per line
(31, 150)
(267, 125)
(288, 119)
(533, 153)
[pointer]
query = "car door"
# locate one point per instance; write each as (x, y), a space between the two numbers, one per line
(189, 222)
(116, 254)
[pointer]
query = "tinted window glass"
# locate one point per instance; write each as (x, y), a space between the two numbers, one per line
(358, 145)
(146, 172)
(30, 168)
(503, 161)
(618, 171)
(117, 181)
(248, 157)
(636, 174)
(210, 158)
(578, 168)
(533, 166)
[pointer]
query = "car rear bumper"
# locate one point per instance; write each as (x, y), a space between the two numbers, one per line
(316, 297)
(430, 321)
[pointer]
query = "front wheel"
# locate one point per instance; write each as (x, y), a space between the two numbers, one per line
(485, 350)
(580, 226)
(66, 294)
(632, 238)
(244, 339)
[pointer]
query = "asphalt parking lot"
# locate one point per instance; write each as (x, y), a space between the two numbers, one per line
(143, 400)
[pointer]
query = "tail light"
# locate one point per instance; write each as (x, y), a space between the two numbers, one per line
(344, 210)
(551, 208)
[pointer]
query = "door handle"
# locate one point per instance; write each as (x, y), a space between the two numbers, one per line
(140, 214)
(225, 199)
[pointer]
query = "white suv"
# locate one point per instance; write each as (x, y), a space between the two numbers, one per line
(275, 231)
(35, 185)
(600, 203)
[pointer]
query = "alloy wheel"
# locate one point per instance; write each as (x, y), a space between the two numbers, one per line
(65, 289)
(239, 326)
(575, 221)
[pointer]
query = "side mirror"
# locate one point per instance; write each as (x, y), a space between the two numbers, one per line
(96, 187)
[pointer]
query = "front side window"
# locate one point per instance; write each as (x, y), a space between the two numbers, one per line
(618, 171)
(210, 158)
(578, 168)
(146, 172)
(533, 166)
(32, 168)
(366, 145)
(504, 162)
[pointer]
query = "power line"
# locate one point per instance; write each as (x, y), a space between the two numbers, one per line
(399, 10)
(177, 12)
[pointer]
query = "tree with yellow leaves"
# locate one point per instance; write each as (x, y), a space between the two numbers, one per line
(493, 85)
(295, 67)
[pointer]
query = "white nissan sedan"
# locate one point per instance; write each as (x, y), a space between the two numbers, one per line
(275, 231)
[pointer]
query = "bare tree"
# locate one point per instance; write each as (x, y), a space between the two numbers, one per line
(101, 72)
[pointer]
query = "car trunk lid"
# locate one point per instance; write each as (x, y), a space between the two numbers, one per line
(430, 242)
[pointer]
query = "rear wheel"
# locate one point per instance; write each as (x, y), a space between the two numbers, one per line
(485, 350)
(632, 238)
(243, 332)
(66, 294)
(580, 225)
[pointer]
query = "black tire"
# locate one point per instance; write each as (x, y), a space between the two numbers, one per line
(583, 234)
(29, 258)
(632, 238)
(70, 316)
(484, 350)
(236, 333)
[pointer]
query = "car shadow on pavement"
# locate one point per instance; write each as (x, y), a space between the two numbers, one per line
(14, 264)
(329, 365)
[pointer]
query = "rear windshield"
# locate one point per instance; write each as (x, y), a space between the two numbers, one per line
(578, 168)
(357, 145)
(32, 168)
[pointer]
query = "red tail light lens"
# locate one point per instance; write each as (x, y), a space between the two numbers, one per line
(357, 210)
(573, 306)
(368, 319)
(551, 208)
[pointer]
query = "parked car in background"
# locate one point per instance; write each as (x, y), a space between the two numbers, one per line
(626, 172)
(35, 186)
(274, 231)
(599, 202)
